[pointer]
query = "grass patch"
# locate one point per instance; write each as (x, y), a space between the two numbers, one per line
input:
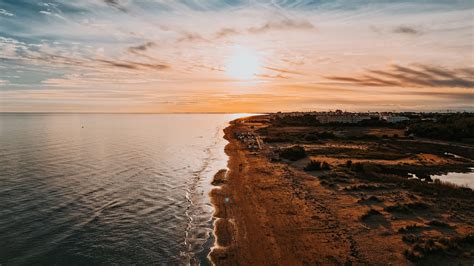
(424, 248)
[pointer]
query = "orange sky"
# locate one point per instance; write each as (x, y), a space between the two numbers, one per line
(236, 56)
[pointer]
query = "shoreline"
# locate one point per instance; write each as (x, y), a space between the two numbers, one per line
(217, 198)
(272, 213)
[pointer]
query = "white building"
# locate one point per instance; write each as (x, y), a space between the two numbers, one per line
(346, 118)
(395, 119)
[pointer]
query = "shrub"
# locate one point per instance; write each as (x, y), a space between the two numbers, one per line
(407, 208)
(438, 223)
(410, 228)
(325, 166)
(369, 213)
(293, 153)
(423, 248)
(349, 164)
(358, 167)
(311, 137)
(313, 166)
(327, 135)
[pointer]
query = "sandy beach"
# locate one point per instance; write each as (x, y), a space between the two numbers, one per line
(272, 213)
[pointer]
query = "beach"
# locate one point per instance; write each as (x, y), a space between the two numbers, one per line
(274, 213)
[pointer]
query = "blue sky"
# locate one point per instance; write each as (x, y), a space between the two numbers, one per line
(173, 56)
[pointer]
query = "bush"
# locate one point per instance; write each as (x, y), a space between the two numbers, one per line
(349, 164)
(370, 213)
(327, 135)
(438, 223)
(446, 127)
(311, 137)
(423, 248)
(358, 167)
(313, 166)
(325, 166)
(293, 153)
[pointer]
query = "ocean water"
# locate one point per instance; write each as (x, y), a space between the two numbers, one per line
(108, 188)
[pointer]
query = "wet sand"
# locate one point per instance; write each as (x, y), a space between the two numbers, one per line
(269, 213)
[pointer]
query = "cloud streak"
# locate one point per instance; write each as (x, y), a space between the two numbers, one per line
(116, 4)
(414, 76)
(407, 30)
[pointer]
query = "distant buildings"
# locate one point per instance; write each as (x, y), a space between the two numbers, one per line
(345, 118)
(339, 116)
(394, 118)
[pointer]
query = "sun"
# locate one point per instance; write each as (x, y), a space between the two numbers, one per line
(243, 64)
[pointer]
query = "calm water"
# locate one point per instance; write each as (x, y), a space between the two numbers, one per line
(104, 189)
(462, 179)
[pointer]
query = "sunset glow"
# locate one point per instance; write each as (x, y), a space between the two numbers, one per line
(243, 64)
(235, 56)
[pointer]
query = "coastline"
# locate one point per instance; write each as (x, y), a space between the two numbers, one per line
(217, 197)
(271, 213)
(261, 221)
(258, 226)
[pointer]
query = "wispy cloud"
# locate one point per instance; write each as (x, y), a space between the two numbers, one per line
(116, 4)
(142, 47)
(412, 76)
(286, 24)
(6, 13)
(407, 30)
(285, 71)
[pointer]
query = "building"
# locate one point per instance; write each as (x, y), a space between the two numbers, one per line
(395, 119)
(345, 118)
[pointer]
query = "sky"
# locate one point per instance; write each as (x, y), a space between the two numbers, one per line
(152, 56)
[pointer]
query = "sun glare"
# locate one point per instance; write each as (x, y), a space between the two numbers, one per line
(243, 64)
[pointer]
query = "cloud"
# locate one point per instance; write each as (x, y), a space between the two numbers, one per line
(284, 71)
(134, 65)
(5, 13)
(287, 24)
(116, 4)
(407, 30)
(267, 76)
(226, 32)
(141, 48)
(415, 76)
(281, 25)
(191, 37)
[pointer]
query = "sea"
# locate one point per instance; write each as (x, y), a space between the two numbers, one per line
(88, 189)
